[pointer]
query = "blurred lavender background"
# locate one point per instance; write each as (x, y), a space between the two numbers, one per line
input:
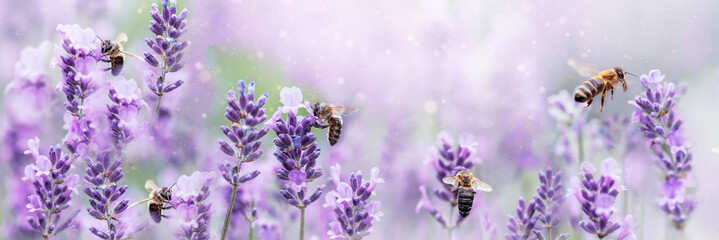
(415, 70)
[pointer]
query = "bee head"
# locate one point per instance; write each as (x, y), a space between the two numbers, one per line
(620, 72)
(106, 47)
(316, 108)
(166, 194)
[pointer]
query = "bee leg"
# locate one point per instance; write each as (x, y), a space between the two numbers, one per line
(321, 126)
(604, 94)
(589, 102)
(624, 84)
(105, 60)
(612, 91)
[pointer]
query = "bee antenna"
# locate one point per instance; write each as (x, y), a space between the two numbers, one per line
(98, 37)
(631, 74)
(172, 185)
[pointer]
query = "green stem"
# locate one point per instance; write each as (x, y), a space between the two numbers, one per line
(251, 219)
(157, 107)
(229, 211)
(252, 231)
(302, 223)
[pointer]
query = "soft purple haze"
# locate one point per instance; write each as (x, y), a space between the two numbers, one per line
(414, 69)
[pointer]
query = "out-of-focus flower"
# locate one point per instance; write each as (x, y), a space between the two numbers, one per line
(168, 27)
(103, 176)
(53, 191)
(353, 208)
(191, 206)
(660, 123)
(123, 114)
(572, 124)
(597, 198)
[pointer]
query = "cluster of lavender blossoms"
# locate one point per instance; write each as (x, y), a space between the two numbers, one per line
(103, 176)
(597, 198)
(297, 151)
(546, 206)
(191, 205)
(80, 77)
(53, 188)
(660, 124)
(447, 162)
(123, 113)
(352, 205)
(244, 134)
(167, 26)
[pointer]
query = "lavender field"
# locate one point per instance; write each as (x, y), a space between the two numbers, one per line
(234, 109)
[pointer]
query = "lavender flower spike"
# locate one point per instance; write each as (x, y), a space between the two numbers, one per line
(353, 208)
(525, 223)
(192, 206)
(550, 199)
(103, 176)
(297, 152)
(661, 126)
(168, 27)
(53, 189)
(123, 113)
(244, 133)
(80, 77)
(597, 198)
(446, 161)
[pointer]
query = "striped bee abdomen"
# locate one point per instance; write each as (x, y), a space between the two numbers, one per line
(465, 199)
(589, 89)
(335, 123)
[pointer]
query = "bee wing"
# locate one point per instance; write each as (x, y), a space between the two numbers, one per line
(583, 69)
(121, 38)
(150, 185)
(342, 110)
(140, 202)
(451, 180)
(479, 185)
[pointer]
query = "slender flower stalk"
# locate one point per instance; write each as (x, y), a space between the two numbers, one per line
(103, 176)
(244, 134)
(597, 198)
(352, 206)
(168, 27)
(246, 208)
(446, 161)
(190, 203)
(661, 125)
(297, 151)
(53, 190)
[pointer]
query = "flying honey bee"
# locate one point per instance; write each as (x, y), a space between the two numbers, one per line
(114, 52)
(158, 197)
(332, 115)
(599, 82)
(466, 186)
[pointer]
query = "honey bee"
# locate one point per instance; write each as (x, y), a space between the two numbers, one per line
(599, 82)
(158, 197)
(466, 186)
(114, 52)
(332, 115)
